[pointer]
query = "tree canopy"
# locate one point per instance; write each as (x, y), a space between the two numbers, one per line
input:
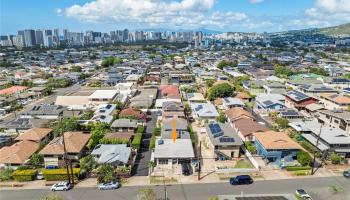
(111, 61)
(220, 90)
(98, 130)
(225, 63)
(64, 125)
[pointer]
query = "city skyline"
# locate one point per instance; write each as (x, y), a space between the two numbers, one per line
(237, 16)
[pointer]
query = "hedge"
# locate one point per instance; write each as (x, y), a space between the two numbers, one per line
(140, 129)
(59, 174)
(136, 142)
(24, 175)
(297, 168)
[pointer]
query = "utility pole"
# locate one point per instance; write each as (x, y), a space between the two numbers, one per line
(65, 155)
(314, 159)
(199, 160)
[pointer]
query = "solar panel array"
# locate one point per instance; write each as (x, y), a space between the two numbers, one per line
(227, 139)
(199, 107)
(297, 95)
(216, 130)
(268, 103)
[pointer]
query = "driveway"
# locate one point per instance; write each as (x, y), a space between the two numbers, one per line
(144, 154)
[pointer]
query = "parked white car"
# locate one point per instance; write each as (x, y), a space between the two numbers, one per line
(61, 186)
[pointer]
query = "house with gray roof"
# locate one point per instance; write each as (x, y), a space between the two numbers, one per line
(330, 139)
(316, 90)
(44, 111)
(230, 102)
(144, 98)
(124, 125)
(168, 152)
(181, 128)
(224, 140)
(335, 118)
(204, 111)
(115, 154)
(266, 103)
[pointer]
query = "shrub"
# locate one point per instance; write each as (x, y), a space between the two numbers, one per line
(250, 147)
(114, 141)
(24, 175)
(297, 168)
(87, 163)
(140, 129)
(301, 173)
(59, 174)
(136, 142)
(304, 158)
(335, 158)
(106, 173)
(5, 174)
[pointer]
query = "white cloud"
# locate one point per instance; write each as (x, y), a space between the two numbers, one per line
(184, 13)
(255, 1)
(328, 11)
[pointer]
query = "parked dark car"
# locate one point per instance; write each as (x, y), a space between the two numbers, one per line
(241, 180)
(346, 174)
(186, 169)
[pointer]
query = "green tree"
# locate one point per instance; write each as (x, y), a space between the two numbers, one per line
(87, 163)
(209, 82)
(106, 173)
(36, 160)
(98, 131)
(304, 158)
(88, 114)
(282, 122)
(221, 118)
(225, 63)
(65, 125)
(75, 69)
(220, 90)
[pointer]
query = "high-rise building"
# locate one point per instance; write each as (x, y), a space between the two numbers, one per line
(18, 41)
(48, 39)
(125, 35)
(65, 34)
(29, 37)
(56, 36)
(39, 37)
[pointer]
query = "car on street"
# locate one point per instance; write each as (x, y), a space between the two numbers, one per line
(61, 186)
(108, 186)
(241, 180)
(303, 194)
(346, 174)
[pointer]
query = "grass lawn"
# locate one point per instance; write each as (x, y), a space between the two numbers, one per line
(243, 163)
(161, 180)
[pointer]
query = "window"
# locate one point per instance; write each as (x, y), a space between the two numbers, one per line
(336, 121)
(163, 161)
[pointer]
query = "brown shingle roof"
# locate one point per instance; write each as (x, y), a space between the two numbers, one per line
(18, 153)
(129, 112)
(339, 99)
(248, 126)
(75, 142)
(35, 134)
(234, 114)
(276, 140)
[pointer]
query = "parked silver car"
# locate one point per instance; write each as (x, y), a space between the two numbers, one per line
(108, 186)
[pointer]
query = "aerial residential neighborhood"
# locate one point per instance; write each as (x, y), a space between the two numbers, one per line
(174, 114)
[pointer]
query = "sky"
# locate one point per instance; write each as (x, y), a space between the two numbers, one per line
(221, 15)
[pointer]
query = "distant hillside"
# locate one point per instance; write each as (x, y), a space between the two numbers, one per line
(341, 30)
(334, 31)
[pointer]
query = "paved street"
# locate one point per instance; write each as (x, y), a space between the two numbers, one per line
(319, 188)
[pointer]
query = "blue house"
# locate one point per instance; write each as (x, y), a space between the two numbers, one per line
(276, 147)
